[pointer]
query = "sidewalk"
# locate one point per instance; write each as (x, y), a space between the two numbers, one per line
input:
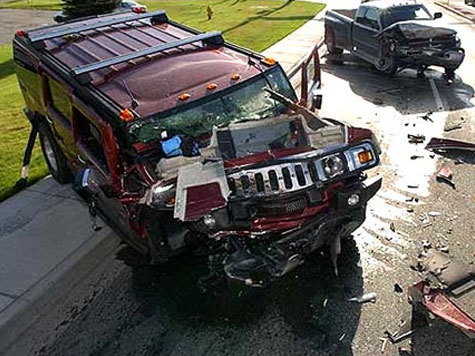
(47, 245)
(458, 8)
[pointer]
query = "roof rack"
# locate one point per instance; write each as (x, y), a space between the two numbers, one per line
(157, 17)
(82, 72)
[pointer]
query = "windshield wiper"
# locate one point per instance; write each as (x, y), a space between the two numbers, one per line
(309, 116)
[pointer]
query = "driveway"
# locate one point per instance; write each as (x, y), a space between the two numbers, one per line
(13, 19)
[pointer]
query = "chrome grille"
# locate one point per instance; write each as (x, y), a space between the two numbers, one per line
(274, 179)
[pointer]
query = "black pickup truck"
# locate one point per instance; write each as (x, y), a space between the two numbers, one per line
(394, 36)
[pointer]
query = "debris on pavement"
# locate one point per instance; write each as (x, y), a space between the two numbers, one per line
(368, 297)
(426, 244)
(416, 138)
(413, 157)
(398, 288)
(392, 227)
(395, 338)
(447, 291)
(445, 175)
(427, 117)
(434, 213)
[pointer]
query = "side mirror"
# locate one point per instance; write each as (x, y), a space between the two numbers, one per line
(437, 15)
(87, 183)
(316, 97)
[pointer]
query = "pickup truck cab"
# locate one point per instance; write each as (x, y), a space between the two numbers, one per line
(182, 141)
(394, 35)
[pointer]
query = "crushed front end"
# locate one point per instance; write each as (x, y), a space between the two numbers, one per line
(419, 46)
(272, 191)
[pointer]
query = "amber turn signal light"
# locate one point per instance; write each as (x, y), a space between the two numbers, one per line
(126, 115)
(269, 61)
(365, 156)
(184, 96)
(235, 77)
(211, 86)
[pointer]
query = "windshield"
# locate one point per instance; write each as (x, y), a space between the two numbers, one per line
(404, 13)
(243, 102)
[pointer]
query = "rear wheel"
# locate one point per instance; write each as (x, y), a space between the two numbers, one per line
(330, 42)
(55, 159)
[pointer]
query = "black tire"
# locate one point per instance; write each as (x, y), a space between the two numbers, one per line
(330, 42)
(386, 65)
(54, 157)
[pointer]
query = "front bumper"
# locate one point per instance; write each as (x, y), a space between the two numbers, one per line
(450, 59)
(274, 257)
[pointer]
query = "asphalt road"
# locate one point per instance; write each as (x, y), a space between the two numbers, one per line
(125, 308)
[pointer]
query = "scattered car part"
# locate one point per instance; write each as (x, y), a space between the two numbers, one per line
(368, 297)
(416, 138)
(445, 175)
(448, 291)
(438, 144)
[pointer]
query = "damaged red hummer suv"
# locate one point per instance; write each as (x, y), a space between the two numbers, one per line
(180, 140)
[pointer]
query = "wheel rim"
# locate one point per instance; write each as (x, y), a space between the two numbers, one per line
(384, 64)
(49, 153)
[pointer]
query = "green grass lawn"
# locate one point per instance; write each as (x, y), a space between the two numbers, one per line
(254, 24)
(14, 129)
(250, 23)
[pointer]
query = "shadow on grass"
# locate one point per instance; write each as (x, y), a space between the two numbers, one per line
(254, 18)
(7, 68)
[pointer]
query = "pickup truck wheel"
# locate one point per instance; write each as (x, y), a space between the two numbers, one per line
(331, 43)
(54, 158)
(387, 65)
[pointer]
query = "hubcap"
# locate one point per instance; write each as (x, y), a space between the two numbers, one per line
(49, 153)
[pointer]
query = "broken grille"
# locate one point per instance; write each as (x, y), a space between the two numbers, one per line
(272, 180)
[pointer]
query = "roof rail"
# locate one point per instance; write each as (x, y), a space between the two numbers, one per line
(82, 72)
(156, 16)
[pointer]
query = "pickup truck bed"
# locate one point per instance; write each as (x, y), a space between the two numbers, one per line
(351, 13)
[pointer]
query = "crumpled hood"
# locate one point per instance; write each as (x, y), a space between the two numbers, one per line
(420, 30)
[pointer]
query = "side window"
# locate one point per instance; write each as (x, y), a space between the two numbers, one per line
(360, 15)
(59, 99)
(89, 138)
(372, 18)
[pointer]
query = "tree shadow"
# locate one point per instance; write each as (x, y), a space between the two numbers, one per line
(404, 91)
(7, 68)
(307, 309)
(262, 14)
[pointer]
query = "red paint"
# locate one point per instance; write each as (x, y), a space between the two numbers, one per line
(440, 305)
(358, 134)
(111, 151)
(202, 199)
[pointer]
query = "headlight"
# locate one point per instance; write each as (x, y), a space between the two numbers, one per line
(333, 166)
(164, 196)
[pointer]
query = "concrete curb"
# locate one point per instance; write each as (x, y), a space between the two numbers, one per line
(449, 8)
(22, 314)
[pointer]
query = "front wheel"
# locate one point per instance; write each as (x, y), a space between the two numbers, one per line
(54, 158)
(386, 65)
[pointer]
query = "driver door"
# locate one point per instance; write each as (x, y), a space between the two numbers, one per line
(366, 30)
